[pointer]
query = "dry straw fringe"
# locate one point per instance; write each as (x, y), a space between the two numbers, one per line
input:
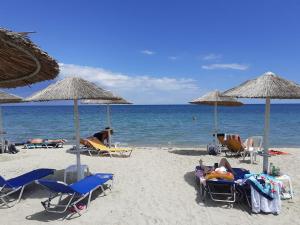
(72, 88)
(22, 62)
(268, 85)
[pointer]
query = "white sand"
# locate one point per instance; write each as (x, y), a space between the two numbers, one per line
(153, 186)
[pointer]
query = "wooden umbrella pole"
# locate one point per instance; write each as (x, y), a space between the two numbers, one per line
(108, 115)
(1, 132)
(266, 136)
(77, 133)
(109, 124)
(216, 121)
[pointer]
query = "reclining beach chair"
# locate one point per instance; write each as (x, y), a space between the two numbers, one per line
(13, 185)
(234, 145)
(69, 196)
(222, 141)
(253, 147)
(221, 190)
(45, 144)
(34, 145)
(100, 148)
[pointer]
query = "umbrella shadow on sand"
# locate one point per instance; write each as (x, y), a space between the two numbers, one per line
(34, 190)
(190, 152)
(190, 178)
(248, 161)
(95, 154)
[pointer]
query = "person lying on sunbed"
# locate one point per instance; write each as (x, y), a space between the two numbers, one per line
(35, 141)
(40, 140)
(221, 170)
(223, 165)
(55, 140)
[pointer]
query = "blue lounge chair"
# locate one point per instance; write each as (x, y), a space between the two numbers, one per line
(68, 196)
(13, 185)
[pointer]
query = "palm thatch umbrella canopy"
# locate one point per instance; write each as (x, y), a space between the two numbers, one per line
(104, 102)
(215, 98)
(22, 62)
(267, 86)
(121, 101)
(73, 88)
(9, 98)
(6, 98)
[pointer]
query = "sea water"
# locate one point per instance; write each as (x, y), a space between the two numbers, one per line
(153, 125)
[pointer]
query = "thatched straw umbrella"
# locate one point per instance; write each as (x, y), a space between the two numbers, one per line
(6, 98)
(22, 62)
(73, 88)
(267, 86)
(122, 101)
(215, 98)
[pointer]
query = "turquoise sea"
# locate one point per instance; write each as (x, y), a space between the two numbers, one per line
(154, 125)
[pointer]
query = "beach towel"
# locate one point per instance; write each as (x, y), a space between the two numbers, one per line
(261, 204)
(266, 185)
(277, 152)
(265, 193)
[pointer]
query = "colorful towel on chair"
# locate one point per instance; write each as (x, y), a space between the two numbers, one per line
(266, 185)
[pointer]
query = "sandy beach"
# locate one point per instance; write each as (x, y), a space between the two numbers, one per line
(153, 186)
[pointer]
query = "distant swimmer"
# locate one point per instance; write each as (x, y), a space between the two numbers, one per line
(194, 118)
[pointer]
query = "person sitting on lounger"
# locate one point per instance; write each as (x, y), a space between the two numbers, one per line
(99, 137)
(103, 136)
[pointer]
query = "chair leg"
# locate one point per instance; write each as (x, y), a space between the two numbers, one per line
(21, 193)
(112, 183)
(244, 155)
(103, 191)
(202, 192)
(49, 207)
(7, 203)
(89, 200)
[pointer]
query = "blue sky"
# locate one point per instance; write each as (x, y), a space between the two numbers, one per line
(155, 52)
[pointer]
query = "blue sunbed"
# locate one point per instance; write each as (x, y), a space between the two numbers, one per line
(74, 193)
(11, 186)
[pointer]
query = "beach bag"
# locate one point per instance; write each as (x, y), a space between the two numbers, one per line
(12, 149)
(212, 149)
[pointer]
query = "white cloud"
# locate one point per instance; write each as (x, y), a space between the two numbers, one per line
(139, 89)
(212, 56)
(147, 52)
(173, 57)
(233, 66)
